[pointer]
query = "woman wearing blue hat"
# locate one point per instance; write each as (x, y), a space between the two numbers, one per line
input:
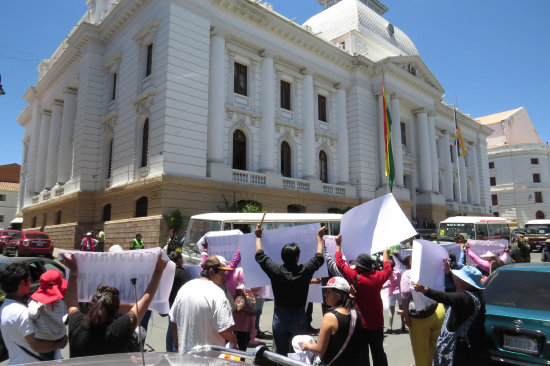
(462, 337)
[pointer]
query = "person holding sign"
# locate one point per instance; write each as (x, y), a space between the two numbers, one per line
(108, 325)
(368, 282)
(290, 284)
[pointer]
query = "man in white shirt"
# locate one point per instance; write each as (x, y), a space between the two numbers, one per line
(17, 329)
(201, 313)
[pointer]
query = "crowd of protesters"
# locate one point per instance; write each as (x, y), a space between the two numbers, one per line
(448, 330)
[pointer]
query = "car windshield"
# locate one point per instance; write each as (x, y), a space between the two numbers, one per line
(37, 236)
(449, 230)
(519, 289)
(197, 228)
(537, 229)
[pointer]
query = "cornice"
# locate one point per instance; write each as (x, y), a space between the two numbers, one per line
(517, 149)
(285, 28)
(117, 17)
(446, 110)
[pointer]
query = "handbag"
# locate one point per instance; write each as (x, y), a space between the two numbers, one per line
(245, 301)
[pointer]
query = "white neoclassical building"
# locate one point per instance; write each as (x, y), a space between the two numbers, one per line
(150, 106)
(519, 167)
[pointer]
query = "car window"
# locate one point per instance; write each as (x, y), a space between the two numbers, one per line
(16, 235)
(53, 266)
(37, 236)
(519, 289)
(35, 271)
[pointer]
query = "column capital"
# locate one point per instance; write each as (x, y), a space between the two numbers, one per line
(71, 91)
(444, 132)
(265, 54)
(216, 32)
(304, 71)
(419, 110)
(395, 96)
(47, 112)
(432, 113)
(58, 103)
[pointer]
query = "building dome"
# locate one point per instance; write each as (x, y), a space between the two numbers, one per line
(354, 15)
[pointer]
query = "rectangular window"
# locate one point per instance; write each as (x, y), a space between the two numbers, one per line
(322, 108)
(403, 134)
(285, 95)
(496, 214)
(2, 197)
(1, 218)
(113, 92)
(534, 161)
(491, 165)
(538, 197)
(452, 155)
(494, 199)
(493, 181)
(149, 65)
(240, 79)
(536, 178)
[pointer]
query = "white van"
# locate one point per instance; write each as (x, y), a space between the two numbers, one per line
(537, 231)
(475, 227)
(246, 222)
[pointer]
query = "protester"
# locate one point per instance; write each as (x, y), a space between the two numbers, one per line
(545, 255)
(201, 313)
(488, 261)
(47, 309)
(100, 240)
(524, 248)
(137, 243)
(368, 282)
(340, 338)
(290, 283)
(424, 326)
(181, 277)
(244, 314)
(108, 325)
(394, 296)
(88, 243)
(462, 338)
(17, 329)
(172, 243)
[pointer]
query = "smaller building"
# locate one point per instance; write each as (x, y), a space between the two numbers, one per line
(519, 167)
(9, 188)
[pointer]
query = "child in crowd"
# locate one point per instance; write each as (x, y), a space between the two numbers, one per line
(47, 309)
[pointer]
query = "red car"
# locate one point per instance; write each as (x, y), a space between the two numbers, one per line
(5, 236)
(30, 243)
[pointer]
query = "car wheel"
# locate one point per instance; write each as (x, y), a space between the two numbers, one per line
(4, 251)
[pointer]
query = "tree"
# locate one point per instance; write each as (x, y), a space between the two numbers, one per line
(174, 220)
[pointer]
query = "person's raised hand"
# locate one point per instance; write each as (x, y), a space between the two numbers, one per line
(69, 261)
(446, 265)
(339, 239)
(258, 231)
(322, 232)
(419, 288)
(161, 264)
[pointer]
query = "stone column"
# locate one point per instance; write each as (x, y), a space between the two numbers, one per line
(424, 152)
(397, 146)
(216, 104)
(53, 149)
(308, 146)
(463, 179)
(343, 146)
(267, 126)
(40, 179)
(65, 155)
(446, 155)
(475, 169)
(381, 147)
(433, 152)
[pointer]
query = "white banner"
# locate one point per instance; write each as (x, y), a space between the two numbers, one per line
(330, 245)
(273, 242)
(481, 247)
(224, 243)
(427, 268)
(374, 226)
(115, 269)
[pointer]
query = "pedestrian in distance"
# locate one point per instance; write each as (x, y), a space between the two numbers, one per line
(172, 243)
(137, 243)
(100, 240)
(88, 243)
(545, 255)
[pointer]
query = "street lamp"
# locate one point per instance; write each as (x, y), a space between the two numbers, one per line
(2, 92)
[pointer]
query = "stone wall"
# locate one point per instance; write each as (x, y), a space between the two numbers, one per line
(122, 232)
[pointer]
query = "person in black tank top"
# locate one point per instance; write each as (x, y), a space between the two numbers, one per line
(333, 344)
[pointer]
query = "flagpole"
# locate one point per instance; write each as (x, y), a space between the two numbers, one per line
(384, 113)
(457, 161)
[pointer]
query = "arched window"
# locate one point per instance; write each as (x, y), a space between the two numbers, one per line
(141, 206)
(295, 209)
(249, 206)
(239, 150)
(110, 159)
(323, 167)
(107, 212)
(540, 215)
(145, 145)
(58, 217)
(285, 160)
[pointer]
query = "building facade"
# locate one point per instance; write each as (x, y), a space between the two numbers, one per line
(9, 188)
(519, 167)
(150, 106)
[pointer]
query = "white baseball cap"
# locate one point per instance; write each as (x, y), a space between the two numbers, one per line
(338, 283)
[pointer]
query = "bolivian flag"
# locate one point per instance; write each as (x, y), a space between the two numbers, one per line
(390, 168)
(460, 148)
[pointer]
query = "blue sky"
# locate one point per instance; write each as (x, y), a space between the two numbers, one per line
(490, 55)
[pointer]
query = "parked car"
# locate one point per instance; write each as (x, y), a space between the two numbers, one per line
(37, 266)
(5, 236)
(517, 300)
(31, 243)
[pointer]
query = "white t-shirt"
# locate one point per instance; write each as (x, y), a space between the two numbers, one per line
(201, 311)
(15, 325)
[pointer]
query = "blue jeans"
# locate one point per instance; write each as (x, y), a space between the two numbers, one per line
(286, 324)
(170, 346)
(259, 309)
